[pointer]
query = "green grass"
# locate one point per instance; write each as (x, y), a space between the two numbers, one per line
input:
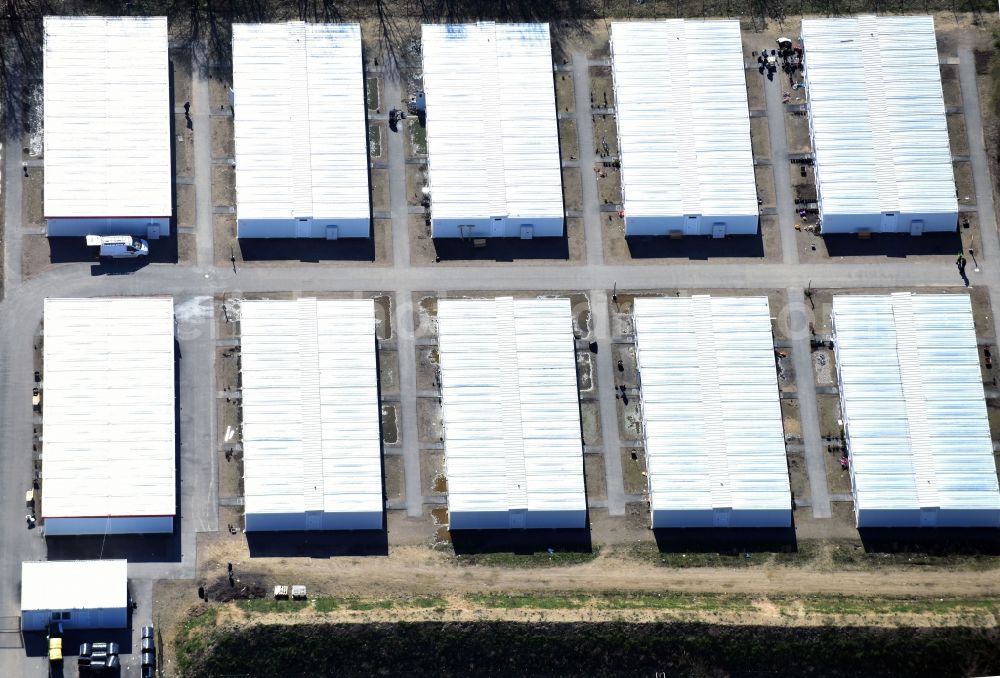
(332, 604)
(528, 560)
(267, 605)
(418, 134)
(189, 645)
(505, 601)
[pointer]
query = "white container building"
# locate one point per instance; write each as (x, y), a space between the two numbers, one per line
(683, 128)
(492, 136)
(312, 442)
(511, 412)
(107, 116)
(79, 594)
(878, 125)
(914, 411)
(715, 445)
(301, 132)
(108, 411)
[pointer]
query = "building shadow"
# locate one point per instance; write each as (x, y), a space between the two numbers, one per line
(66, 250)
(319, 544)
(521, 542)
(893, 245)
(36, 644)
(311, 250)
(933, 541)
(731, 540)
(501, 249)
(695, 247)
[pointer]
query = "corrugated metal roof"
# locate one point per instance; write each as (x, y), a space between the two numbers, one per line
(74, 585)
(492, 139)
(311, 418)
(914, 407)
(108, 408)
(510, 406)
(301, 137)
(711, 414)
(107, 117)
(878, 115)
(683, 118)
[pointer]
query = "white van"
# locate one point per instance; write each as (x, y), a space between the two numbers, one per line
(119, 246)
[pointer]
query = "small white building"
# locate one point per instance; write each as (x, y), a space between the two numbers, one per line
(878, 125)
(300, 131)
(511, 412)
(108, 424)
(492, 135)
(683, 128)
(914, 411)
(107, 116)
(715, 444)
(312, 442)
(79, 594)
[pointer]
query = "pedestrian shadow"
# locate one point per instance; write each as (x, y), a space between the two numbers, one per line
(695, 247)
(893, 245)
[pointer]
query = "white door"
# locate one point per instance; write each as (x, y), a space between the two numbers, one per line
(518, 519)
(496, 227)
(314, 520)
(917, 227)
(527, 231)
(332, 232)
(889, 221)
(302, 228)
(928, 517)
(720, 517)
(692, 225)
(719, 230)
(153, 232)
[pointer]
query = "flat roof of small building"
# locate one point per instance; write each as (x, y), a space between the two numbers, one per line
(107, 117)
(880, 134)
(683, 118)
(311, 419)
(108, 447)
(300, 128)
(74, 585)
(914, 406)
(492, 136)
(710, 405)
(510, 405)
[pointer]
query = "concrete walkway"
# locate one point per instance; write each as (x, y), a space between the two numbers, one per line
(785, 199)
(609, 411)
(202, 123)
(588, 156)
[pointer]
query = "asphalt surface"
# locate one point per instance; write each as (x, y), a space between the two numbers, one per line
(194, 289)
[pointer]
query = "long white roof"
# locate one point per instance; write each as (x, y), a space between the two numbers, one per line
(683, 118)
(914, 407)
(107, 117)
(74, 585)
(878, 117)
(510, 405)
(711, 414)
(492, 138)
(311, 436)
(301, 139)
(108, 408)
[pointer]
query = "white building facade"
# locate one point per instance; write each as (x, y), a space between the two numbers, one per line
(511, 413)
(107, 113)
(300, 131)
(312, 442)
(492, 136)
(683, 128)
(878, 125)
(914, 411)
(108, 416)
(715, 446)
(78, 594)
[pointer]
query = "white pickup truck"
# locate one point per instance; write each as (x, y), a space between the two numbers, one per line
(119, 246)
